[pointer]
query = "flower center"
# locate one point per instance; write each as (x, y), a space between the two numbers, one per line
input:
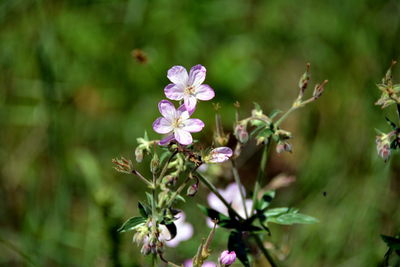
(189, 90)
(177, 123)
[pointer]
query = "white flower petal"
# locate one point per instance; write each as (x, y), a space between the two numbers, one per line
(193, 125)
(178, 75)
(204, 92)
(167, 109)
(183, 137)
(197, 75)
(162, 126)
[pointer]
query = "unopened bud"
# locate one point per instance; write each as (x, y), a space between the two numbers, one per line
(146, 249)
(283, 146)
(303, 82)
(169, 180)
(383, 146)
(241, 133)
(319, 89)
(154, 163)
(227, 258)
(139, 154)
(192, 190)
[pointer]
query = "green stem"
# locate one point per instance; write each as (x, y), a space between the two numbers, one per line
(181, 187)
(138, 174)
(261, 173)
(284, 116)
(264, 251)
(236, 176)
(213, 189)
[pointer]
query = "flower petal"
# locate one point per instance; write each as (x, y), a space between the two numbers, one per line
(190, 102)
(174, 91)
(167, 109)
(215, 203)
(182, 108)
(220, 154)
(166, 140)
(193, 125)
(204, 92)
(197, 75)
(178, 75)
(183, 137)
(162, 126)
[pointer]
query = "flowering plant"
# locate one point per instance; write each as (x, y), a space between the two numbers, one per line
(177, 162)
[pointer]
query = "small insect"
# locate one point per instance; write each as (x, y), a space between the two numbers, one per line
(325, 193)
(139, 55)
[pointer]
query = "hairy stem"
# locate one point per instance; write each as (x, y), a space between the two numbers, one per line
(241, 188)
(138, 174)
(264, 251)
(165, 168)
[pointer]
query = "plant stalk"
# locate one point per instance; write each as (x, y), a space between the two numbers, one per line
(264, 251)
(241, 188)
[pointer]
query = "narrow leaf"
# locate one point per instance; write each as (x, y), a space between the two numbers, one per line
(131, 224)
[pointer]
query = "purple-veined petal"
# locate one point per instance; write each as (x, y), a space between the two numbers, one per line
(167, 109)
(189, 263)
(166, 140)
(193, 125)
(190, 102)
(183, 137)
(174, 91)
(204, 92)
(197, 75)
(220, 154)
(182, 108)
(162, 126)
(178, 75)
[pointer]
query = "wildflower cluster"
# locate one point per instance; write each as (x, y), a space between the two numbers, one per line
(388, 142)
(175, 169)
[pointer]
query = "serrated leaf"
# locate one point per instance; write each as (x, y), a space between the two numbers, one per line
(292, 218)
(131, 224)
(391, 242)
(237, 244)
(276, 211)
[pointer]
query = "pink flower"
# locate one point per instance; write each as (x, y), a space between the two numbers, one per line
(188, 87)
(184, 231)
(219, 154)
(176, 124)
(189, 263)
(227, 258)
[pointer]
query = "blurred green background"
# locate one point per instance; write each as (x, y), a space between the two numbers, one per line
(73, 96)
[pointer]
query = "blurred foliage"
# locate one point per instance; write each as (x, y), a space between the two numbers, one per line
(75, 93)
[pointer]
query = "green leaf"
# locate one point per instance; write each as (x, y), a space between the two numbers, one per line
(391, 242)
(292, 218)
(131, 224)
(149, 199)
(144, 210)
(237, 244)
(275, 211)
(181, 198)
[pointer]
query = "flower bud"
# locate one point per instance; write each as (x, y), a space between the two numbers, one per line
(123, 165)
(241, 133)
(169, 180)
(283, 146)
(192, 190)
(139, 154)
(383, 146)
(319, 89)
(154, 163)
(227, 258)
